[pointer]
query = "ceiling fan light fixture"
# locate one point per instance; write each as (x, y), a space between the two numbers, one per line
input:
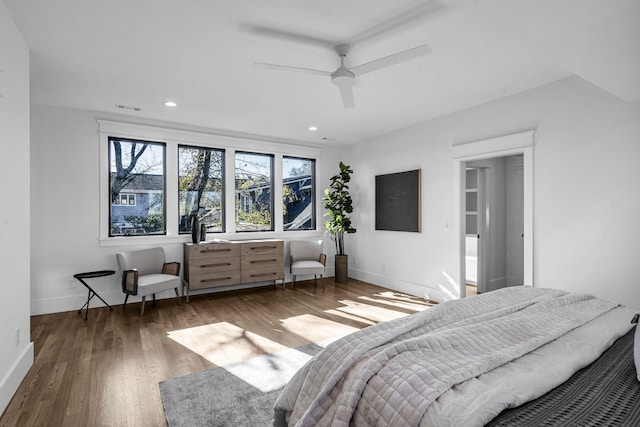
(342, 76)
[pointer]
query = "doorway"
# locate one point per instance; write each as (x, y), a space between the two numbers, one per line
(519, 145)
(494, 223)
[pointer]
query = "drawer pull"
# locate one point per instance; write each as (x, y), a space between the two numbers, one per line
(262, 248)
(205, 251)
(214, 279)
(215, 265)
(264, 274)
(259, 261)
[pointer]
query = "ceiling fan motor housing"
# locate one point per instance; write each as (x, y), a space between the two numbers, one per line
(342, 76)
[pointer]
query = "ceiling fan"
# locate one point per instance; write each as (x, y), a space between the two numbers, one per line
(344, 77)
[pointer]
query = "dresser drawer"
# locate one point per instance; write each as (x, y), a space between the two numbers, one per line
(211, 250)
(261, 248)
(211, 280)
(213, 265)
(262, 274)
(262, 260)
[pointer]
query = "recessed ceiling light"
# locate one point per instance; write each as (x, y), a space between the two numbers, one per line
(313, 128)
(169, 104)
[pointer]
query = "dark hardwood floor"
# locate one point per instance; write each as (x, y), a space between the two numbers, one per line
(105, 371)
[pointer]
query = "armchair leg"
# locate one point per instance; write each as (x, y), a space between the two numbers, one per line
(154, 300)
(177, 295)
(126, 297)
(294, 282)
(315, 281)
(322, 280)
(142, 309)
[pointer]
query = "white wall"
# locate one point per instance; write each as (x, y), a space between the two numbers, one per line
(65, 200)
(586, 215)
(16, 355)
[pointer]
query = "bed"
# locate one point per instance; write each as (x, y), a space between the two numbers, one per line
(502, 357)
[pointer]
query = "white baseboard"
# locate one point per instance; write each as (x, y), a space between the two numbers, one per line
(12, 380)
(74, 302)
(429, 293)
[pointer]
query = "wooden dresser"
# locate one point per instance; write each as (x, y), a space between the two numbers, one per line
(211, 264)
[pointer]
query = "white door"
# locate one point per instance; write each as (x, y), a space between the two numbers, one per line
(515, 222)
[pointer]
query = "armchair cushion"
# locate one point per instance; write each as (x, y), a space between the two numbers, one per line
(304, 267)
(154, 283)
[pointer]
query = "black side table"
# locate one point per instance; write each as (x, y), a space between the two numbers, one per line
(92, 293)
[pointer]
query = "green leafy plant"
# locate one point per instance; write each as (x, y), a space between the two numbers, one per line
(339, 204)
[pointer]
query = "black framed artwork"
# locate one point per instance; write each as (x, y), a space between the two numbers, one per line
(398, 201)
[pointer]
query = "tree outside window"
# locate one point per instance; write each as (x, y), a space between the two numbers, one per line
(136, 168)
(254, 195)
(201, 188)
(298, 194)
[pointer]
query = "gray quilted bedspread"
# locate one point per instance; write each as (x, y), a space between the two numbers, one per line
(390, 373)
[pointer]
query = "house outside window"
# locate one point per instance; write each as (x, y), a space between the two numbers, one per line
(201, 187)
(298, 193)
(125, 200)
(136, 187)
(254, 191)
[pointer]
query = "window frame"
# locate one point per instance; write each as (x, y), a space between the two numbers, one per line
(223, 197)
(110, 139)
(229, 141)
(314, 201)
(128, 195)
(272, 177)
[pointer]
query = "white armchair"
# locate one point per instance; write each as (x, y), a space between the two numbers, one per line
(307, 258)
(145, 272)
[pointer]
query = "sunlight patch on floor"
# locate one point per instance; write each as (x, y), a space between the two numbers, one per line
(271, 371)
(337, 312)
(316, 329)
(371, 312)
(223, 343)
(401, 304)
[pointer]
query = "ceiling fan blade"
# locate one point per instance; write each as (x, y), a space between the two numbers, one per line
(346, 92)
(287, 36)
(401, 21)
(390, 60)
(289, 68)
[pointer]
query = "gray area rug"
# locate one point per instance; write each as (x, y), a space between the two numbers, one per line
(241, 394)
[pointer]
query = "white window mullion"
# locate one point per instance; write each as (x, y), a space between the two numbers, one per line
(230, 191)
(277, 194)
(171, 176)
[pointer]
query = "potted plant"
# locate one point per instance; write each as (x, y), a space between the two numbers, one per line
(338, 203)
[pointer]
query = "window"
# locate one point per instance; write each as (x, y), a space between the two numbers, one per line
(254, 191)
(125, 200)
(201, 188)
(136, 187)
(298, 190)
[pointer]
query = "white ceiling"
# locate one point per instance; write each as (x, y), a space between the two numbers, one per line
(94, 54)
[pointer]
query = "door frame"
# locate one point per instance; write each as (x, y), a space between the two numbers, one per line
(519, 143)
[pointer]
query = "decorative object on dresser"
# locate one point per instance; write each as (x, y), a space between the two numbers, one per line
(225, 263)
(146, 272)
(338, 203)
